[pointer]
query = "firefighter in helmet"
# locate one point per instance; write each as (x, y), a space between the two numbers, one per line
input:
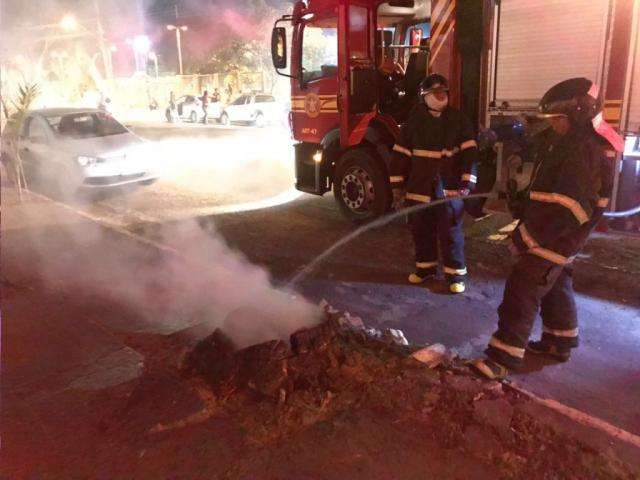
(566, 197)
(435, 158)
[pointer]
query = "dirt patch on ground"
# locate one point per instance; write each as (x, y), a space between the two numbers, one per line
(339, 401)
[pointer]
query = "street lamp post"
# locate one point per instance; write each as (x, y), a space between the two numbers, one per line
(178, 29)
(153, 56)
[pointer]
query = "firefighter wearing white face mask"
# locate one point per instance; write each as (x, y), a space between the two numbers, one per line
(434, 158)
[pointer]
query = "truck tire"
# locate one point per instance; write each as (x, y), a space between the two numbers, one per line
(193, 118)
(360, 186)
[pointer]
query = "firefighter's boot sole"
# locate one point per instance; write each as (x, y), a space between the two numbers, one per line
(487, 368)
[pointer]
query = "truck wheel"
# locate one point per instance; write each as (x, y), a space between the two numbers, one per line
(360, 186)
(193, 118)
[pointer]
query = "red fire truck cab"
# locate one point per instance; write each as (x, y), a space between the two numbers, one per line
(355, 69)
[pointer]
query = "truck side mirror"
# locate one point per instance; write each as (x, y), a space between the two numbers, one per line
(279, 47)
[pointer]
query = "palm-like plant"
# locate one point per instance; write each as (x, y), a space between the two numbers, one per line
(27, 94)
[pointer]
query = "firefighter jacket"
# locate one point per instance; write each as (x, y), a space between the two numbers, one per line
(567, 196)
(435, 156)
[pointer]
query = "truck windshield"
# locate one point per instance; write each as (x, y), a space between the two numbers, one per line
(319, 50)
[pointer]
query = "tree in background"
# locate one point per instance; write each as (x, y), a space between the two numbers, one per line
(224, 36)
(16, 117)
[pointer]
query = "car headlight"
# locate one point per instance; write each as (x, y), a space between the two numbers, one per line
(85, 160)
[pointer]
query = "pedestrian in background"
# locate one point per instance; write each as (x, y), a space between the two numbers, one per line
(569, 192)
(205, 105)
(172, 109)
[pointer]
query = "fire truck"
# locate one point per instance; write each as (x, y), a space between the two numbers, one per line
(355, 67)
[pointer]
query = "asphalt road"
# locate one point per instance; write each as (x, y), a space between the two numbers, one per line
(222, 176)
(203, 170)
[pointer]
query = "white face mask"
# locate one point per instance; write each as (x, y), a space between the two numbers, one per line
(434, 104)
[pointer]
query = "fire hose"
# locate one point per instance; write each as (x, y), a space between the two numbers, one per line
(307, 269)
(624, 213)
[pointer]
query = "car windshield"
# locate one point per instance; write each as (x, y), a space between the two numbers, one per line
(86, 125)
(240, 100)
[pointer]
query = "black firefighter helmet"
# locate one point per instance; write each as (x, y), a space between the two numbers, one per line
(434, 83)
(575, 98)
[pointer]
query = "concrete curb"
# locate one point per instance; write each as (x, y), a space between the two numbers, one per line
(591, 431)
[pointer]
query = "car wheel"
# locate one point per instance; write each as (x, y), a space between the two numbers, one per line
(260, 121)
(224, 119)
(360, 186)
(193, 117)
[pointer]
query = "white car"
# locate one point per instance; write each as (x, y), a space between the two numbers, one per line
(258, 109)
(190, 108)
(69, 149)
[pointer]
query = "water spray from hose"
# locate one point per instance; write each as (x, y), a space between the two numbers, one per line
(308, 269)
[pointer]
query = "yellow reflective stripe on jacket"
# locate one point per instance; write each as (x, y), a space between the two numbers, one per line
(538, 251)
(436, 153)
(510, 349)
(428, 153)
(551, 256)
(572, 333)
(603, 202)
(401, 149)
(396, 179)
(455, 271)
(467, 177)
(563, 200)
(426, 264)
(450, 153)
(526, 237)
(468, 144)
(418, 198)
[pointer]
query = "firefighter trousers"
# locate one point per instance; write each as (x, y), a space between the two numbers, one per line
(534, 286)
(440, 225)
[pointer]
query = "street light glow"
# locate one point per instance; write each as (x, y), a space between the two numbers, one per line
(68, 23)
(142, 44)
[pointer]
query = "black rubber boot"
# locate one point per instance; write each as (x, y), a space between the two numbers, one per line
(422, 274)
(540, 348)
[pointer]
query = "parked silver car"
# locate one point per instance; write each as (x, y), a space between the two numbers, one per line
(71, 148)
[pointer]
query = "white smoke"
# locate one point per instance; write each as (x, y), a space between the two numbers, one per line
(202, 282)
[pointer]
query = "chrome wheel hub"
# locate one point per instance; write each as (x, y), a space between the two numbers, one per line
(357, 189)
